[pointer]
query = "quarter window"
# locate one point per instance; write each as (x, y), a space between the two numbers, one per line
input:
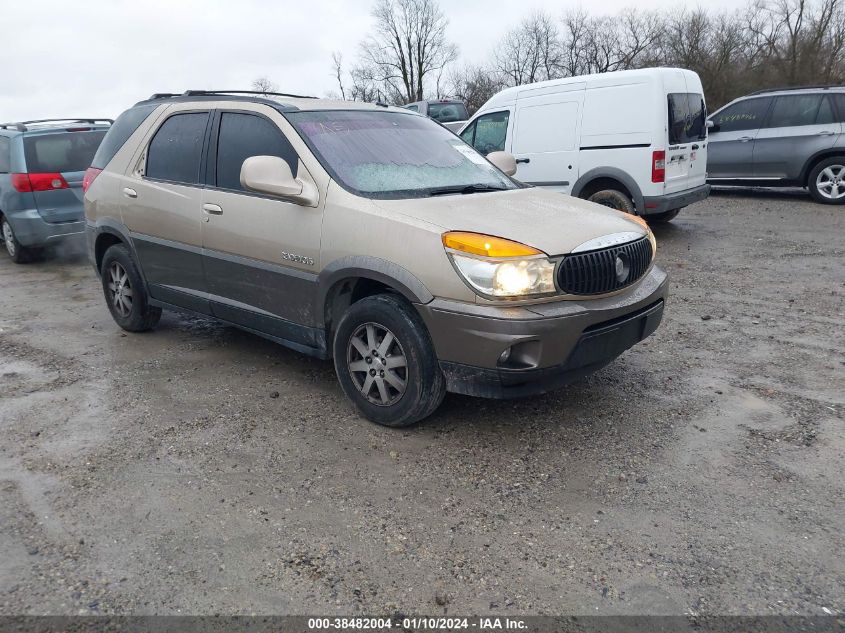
(245, 135)
(745, 115)
(488, 132)
(4, 155)
(797, 110)
(176, 149)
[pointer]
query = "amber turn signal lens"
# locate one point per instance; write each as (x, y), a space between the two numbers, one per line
(486, 245)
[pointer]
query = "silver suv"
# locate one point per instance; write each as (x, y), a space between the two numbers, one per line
(366, 234)
(781, 138)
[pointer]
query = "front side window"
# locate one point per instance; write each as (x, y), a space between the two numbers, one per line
(745, 115)
(176, 149)
(687, 116)
(797, 110)
(5, 158)
(245, 135)
(385, 154)
(447, 112)
(491, 130)
(62, 152)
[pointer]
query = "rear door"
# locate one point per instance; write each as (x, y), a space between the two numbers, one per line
(797, 127)
(685, 167)
(56, 163)
(730, 144)
(545, 138)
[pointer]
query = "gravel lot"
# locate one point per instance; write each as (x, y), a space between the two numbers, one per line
(200, 469)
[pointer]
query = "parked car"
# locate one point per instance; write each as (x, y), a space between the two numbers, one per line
(633, 140)
(782, 138)
(367, 234)
(452, 114)
(41, 167)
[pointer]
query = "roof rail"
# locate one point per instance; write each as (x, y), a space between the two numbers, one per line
(21, 126)
(788, 88)
(257, 93)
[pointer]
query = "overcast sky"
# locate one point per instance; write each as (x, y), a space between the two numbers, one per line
(95, 58)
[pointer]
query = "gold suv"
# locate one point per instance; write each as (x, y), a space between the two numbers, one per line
(367, 234)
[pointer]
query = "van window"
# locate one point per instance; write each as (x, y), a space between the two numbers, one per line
(176, 148)
(447, 112)
(5, 158)
(119, 133)
(797, 110)
(488, 132)
(245, 135)
(545, 128)
(745, 115)
(63, 152)
(687, 116)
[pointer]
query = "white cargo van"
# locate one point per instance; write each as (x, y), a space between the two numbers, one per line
(635, 140)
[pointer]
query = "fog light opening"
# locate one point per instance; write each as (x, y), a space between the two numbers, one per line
(504, 357)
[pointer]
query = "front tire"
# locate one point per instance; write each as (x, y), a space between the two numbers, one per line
(385, 362)
(17, 253)
(613, 199)
(124, 291)
(826, 181)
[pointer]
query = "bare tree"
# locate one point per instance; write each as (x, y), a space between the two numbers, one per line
(474, 85)
(530, 52)
(262, 84)
(337, 67)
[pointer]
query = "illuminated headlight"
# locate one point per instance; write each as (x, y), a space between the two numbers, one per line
(508, 278)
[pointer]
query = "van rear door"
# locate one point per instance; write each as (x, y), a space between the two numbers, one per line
(686, 154)
(545, 137)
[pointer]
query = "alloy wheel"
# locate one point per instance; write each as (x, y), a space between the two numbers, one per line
(120, 290)
(831, 182)
(9, 238)
(377, 364)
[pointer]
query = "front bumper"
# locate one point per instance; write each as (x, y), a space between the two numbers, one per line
(672, 201)
(32, 231)
(551, 343)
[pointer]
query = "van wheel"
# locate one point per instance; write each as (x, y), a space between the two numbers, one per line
(826, 181)
(613, 199)
(124, 291)
(386, 363)
(18, 253)
(661, 218)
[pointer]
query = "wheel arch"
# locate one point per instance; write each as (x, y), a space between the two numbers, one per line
(609, 177)
(815, 159)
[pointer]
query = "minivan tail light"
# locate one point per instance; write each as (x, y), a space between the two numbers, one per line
(90, 176)
(38, 182)
(658, 166)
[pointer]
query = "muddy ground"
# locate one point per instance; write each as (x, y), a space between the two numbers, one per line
(200, 469)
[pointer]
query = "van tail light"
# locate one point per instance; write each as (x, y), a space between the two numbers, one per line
(38, 182)
(658, 166)
(90, 176)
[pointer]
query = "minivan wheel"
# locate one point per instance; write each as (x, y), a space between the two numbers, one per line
(386, 363)
(661, 218)
(827, 181)
(613, 199)
(19, 254)
(124, 291)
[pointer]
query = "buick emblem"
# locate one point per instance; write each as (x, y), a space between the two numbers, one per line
(622, 268)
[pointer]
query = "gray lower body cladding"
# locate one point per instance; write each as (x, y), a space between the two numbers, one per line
(32, 230)
(669, 202)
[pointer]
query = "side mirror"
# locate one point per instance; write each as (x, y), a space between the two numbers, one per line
(272, 175)
(504, 161)
(711, 125)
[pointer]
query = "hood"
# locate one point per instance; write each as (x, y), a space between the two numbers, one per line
(553, 222)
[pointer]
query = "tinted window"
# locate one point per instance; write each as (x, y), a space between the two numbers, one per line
(490, 132)
(176, 148)
(687, 116)
(4, 155)
(245, 135)
(796, 110)
(447, 112)
(838, 101)
(62, 152)
(413, 108)
(745, 115)
(119, 133)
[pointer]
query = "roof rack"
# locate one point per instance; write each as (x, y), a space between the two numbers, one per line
(788, 88)
(21, 126)
(203, 93)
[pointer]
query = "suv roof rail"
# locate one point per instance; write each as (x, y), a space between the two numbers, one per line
(257, 93)
(21, 126)
(788, 88)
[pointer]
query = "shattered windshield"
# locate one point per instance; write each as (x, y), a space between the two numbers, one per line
(394, 155)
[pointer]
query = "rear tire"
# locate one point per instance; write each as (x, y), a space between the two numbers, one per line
(385, 362)
(662, 218)
(613, 199)
(826, 181)
(17, 252)
(125, 293)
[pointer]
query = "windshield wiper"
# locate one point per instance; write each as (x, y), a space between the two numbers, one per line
(465, 189)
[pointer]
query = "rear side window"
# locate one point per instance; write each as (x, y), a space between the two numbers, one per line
(176, 149)
(447, 112)
(797, 110)
(687, 116)
(245, 135)
(5, 158)
(837, 99)
(119, 133)
(61, 152)
(488, 132)
(745, 115)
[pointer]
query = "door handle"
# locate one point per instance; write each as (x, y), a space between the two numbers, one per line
(212, 209)
(825, 133)
(745, 139)
(522, 160)
(129, 192)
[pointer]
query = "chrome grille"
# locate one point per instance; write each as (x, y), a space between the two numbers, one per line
(606, 269)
